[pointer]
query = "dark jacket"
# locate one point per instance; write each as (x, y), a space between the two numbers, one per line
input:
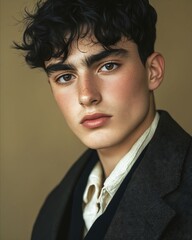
(157, 202)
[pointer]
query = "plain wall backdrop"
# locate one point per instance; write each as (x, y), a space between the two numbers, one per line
(37, 148)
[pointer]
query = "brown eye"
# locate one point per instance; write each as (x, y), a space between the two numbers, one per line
(109, 67)
(64, 78)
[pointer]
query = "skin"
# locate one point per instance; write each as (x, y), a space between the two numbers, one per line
(116, 84)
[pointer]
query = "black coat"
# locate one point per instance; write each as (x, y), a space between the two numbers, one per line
(157, 203)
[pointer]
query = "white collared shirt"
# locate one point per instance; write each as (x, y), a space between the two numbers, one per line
(97, 195)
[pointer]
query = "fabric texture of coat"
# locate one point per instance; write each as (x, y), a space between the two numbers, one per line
(157, 202)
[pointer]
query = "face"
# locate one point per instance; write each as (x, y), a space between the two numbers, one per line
(105, 95)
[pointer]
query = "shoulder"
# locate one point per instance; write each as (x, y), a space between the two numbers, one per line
(57, 203)
(71, 177)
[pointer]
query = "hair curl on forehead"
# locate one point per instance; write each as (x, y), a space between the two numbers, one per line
(55, 24)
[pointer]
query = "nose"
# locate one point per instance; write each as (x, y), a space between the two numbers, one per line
(89, 92)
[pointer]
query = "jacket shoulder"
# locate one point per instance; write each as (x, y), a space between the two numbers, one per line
(57, 203)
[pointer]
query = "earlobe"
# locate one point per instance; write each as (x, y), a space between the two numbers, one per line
(155, 66)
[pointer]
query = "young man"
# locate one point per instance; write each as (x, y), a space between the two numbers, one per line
(135, 180)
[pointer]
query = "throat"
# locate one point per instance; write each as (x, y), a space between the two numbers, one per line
(109, 159)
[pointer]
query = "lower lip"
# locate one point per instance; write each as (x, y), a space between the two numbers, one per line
(95, 123)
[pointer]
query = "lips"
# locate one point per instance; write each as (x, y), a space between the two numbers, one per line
(95, 120)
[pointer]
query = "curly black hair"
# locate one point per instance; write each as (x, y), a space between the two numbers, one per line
(53, 26)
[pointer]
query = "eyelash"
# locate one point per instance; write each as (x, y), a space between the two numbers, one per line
(110, 63)
(62, 76)
(114, 64)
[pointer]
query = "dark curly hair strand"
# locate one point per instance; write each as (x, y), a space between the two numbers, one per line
(53, 20)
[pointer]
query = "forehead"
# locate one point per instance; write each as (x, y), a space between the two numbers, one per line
(84, 47)
(77, 47)
(90, 44)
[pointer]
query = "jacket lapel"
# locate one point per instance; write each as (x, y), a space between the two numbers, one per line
(69, 184)
(142, 213)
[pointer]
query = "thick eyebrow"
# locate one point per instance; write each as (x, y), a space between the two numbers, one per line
(104, 54)
(58, 67)
(89, 61)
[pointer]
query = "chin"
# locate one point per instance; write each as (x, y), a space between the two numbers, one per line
(95, 146)
(98, 144)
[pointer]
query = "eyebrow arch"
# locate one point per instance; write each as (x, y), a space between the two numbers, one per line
(89, 61)
(58, 67)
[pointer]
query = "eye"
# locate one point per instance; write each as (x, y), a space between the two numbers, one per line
(64, 78)
(109, 67)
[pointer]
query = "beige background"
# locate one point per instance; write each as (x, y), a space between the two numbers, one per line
(36, 146)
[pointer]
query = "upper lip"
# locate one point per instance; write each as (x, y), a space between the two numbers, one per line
(94, 116)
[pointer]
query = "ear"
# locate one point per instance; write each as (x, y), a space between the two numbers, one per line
(155, 66)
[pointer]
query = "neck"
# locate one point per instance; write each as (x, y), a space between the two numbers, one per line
(110, 156)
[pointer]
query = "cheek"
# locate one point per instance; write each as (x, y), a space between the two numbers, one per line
(130, 89)
(60, 99)
(65, 103)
